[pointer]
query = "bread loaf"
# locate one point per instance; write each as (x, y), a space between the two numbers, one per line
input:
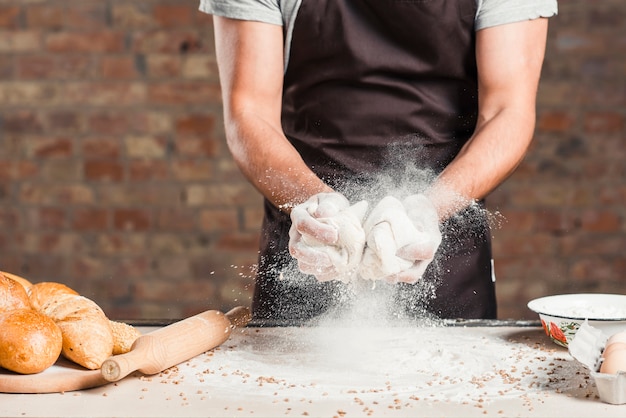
(87, 334)
(12, 295)
(30, 342)
(24, 282)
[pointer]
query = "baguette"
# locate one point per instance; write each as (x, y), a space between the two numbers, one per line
(87, 334)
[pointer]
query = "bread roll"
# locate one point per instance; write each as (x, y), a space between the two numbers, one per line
(12, 295)
(87, 334)
(124, 336)
(45, 292)
(24, 282)
(30, 342)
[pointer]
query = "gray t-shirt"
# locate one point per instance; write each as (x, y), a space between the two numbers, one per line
(283, 12)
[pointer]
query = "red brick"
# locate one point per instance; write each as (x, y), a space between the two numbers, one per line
(7, 68)
(555, 221)
(197, 147)
(53, 194)
(104, 94)
(176, 220)
(121, 244)
(91, 42)
(25, 170)
(20, 41)
(168, 15)
(119, 67)
(44, 16)
(75, 66)
(195, 124)
(200, 67)
(110, 123)
(132, 219)
(51, 147)
(590, 269)
(136, 15)
(601, 221)
(87, 268)
(104, 170)
(9, 17)
(219, 220)
(253, 218)
(22, 122)
(192, 170)
(238, 241)
(538, 244)
(146, 147)
(88, 16)
(58, 243)
(164, 65)
(101, 148)
(177, 93)
(90, 219)
(170, 41)
(46, 268)
(606, 122)
(556, 121)
(9, 219)
(64, 121)
(143, 170)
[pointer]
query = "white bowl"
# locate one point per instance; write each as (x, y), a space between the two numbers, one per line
(562, 315)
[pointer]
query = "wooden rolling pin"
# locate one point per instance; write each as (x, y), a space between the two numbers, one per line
(166, 347)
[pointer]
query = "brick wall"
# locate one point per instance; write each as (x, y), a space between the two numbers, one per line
(565, 206)
(115, 177)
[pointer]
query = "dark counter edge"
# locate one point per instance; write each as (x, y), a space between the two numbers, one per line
(259, 323)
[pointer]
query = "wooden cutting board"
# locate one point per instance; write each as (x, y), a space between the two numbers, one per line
(63, 376)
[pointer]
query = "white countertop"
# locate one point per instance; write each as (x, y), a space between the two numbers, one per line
(502, 371)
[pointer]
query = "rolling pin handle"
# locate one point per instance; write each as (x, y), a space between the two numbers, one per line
(116, 369)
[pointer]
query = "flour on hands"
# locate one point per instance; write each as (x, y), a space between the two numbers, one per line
(327, 237)
(402, 238)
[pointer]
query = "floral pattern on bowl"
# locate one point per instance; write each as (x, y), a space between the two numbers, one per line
(561, 334)
(562, 315)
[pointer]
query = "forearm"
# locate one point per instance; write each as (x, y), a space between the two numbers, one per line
(270, 162)
(509, 59)
(250, 57)
(487, 160)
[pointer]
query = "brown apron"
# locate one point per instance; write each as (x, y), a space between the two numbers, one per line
(381, 92)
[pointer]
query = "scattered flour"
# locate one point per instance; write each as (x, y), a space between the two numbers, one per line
(384, 364)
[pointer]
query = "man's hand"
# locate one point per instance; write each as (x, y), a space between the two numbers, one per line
(326, 236)
(402, 238)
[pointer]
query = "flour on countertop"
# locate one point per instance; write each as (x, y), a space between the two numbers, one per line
(376, 364)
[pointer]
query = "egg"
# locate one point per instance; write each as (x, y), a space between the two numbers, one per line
(614, 360)
(620, 337)
(613, 347)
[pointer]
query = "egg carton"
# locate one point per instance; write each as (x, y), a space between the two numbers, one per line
(587, 348)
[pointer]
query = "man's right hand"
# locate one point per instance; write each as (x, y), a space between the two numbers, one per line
(326, 236)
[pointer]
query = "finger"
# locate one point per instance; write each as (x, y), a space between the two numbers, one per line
(316, 269)
(414, 274)
(310, 256)
(418, 250)
(319, 231)
(329, 204)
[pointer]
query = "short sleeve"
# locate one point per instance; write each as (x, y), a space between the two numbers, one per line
(267, 11)
(500, 12)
